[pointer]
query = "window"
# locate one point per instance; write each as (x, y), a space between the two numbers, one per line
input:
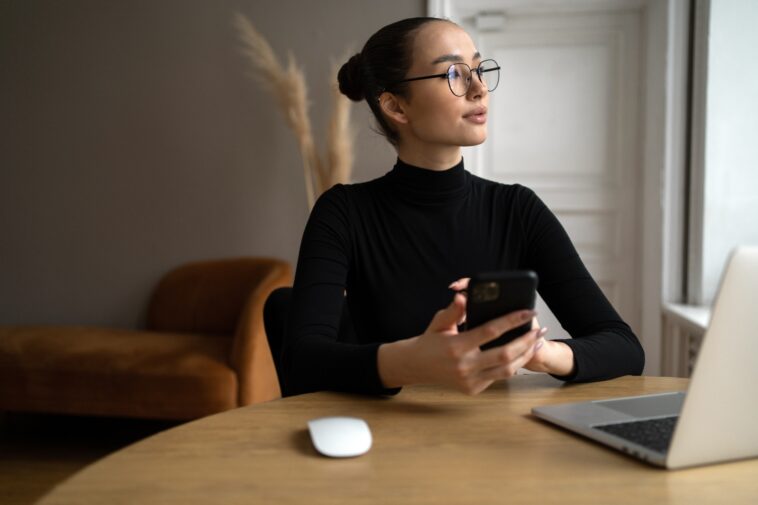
(723, 204)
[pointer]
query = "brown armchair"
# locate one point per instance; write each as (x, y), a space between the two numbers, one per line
(204, 351)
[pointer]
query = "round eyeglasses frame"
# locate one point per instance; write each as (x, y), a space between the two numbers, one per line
(447, 75)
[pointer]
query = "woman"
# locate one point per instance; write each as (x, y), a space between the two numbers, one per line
(387, 250)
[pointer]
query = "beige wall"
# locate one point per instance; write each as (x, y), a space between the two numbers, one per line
(131, 141)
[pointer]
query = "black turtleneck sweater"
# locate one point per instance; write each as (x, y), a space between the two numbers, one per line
(391, 246)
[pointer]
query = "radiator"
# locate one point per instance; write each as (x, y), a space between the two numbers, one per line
(683, 330)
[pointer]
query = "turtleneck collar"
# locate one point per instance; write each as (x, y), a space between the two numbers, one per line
(424, 185)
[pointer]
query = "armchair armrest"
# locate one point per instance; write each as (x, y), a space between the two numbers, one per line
(251, 356)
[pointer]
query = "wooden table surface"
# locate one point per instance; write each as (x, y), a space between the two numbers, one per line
(431, 445)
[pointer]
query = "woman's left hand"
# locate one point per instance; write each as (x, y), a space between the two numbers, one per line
(552, 357)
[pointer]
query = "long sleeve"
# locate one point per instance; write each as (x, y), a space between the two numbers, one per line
(313, 356)
(604, 345)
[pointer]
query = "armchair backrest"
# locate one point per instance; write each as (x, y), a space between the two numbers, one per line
(206, 297)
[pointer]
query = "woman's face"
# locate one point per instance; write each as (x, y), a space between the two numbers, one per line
(435, 116)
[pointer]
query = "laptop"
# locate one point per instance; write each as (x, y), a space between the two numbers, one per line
(717, 418)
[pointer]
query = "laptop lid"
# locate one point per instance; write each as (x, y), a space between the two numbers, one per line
(718, 419)
(718, 413)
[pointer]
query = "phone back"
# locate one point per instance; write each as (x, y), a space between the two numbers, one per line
(495, 294)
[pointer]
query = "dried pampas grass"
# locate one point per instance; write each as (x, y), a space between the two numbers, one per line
(287, 85)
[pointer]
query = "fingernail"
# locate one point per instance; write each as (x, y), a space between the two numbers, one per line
(527, 314)
(543, 331)
(539, 345)
(451, 285)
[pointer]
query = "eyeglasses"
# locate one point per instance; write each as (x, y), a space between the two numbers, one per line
(458, 76)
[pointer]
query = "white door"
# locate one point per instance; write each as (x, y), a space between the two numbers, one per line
(564, 122)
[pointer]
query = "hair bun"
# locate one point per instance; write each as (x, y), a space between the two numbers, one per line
(350, 78)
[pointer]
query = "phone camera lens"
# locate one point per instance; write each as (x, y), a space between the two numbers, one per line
(485, 292)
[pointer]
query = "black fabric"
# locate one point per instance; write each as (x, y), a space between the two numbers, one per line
(390, 247)
(275, 313)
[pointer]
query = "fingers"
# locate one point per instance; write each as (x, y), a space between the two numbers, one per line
(447, 318)
(478, 370)
(509, 369)
(460, 284)
(506, 371)
(511, 351)
(494, 328)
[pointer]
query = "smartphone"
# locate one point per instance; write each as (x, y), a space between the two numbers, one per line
(494, 294)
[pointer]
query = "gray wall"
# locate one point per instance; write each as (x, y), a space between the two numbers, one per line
(132, 141)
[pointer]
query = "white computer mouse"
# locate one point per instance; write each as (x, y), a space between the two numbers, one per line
(340, 437)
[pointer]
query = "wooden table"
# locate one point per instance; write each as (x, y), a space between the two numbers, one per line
(431, 445)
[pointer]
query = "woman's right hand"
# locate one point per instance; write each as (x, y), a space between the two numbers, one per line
(442, 355)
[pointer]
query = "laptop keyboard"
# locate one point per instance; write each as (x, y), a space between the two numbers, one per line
(653, 434)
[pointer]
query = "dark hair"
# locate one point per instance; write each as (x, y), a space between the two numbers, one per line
(383, 61)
